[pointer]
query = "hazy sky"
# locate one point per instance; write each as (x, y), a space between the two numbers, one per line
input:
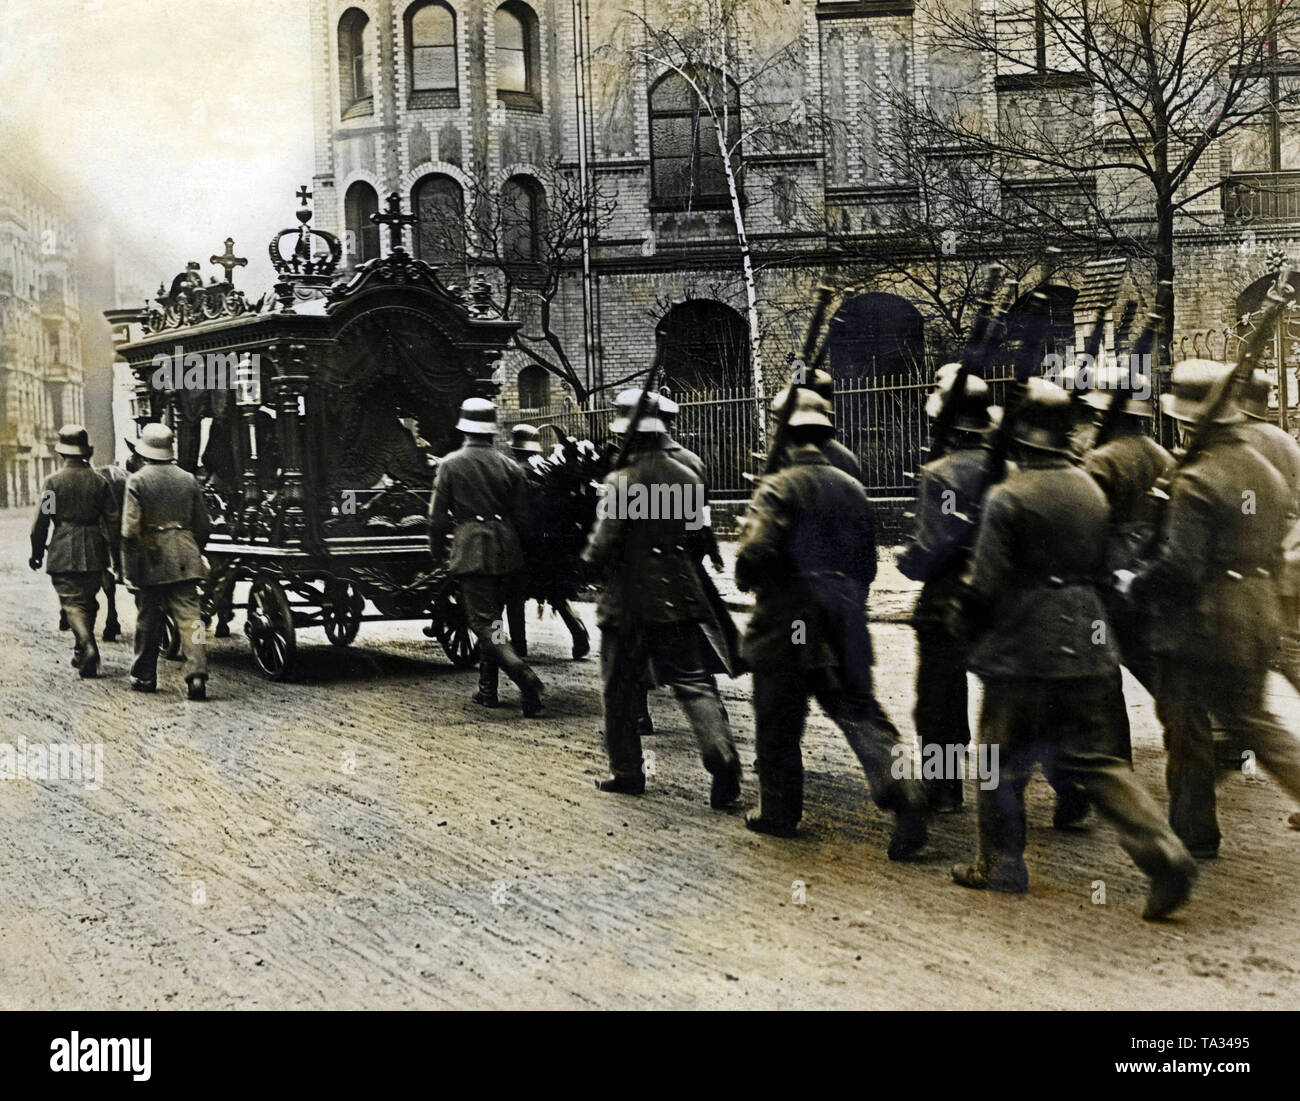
(181, 121)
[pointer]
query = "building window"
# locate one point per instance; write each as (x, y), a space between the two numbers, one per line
(534, 387)
(439, 203)
(686, 168)
(356, 45)
(523, 207)
(362, 234)
(431, 47)
(518, 56)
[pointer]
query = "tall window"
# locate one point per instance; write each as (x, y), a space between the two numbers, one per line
(362, 235)
(439, 203)
(356, 44)
(431, 47)
(522, 210)
(518, 55)
(534, 387)
(687, 170)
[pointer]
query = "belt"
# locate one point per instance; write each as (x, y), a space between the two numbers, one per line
(1247, 571)
(488, 519)
(171, 525)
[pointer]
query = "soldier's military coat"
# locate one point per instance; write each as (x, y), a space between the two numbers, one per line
(165, 525)
(479, 493)
(78, 504)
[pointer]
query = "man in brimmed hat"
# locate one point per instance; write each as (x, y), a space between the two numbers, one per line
(653, 607)
(808, 553)
(1211, 591)
(478, 501)
(668, 411)
(947, 501)
(79, 505)
(823, 385)
(165, 526)
(1031, 611)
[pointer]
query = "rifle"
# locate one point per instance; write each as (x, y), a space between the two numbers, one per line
(801, 379)
(986, 332)
(642, 405)
(1141, 348)
(1029, 357)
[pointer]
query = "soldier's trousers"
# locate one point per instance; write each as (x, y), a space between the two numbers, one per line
(151, 604)
(781, 694)
(484, 598)
(78, 598)
(1064, 724)
(676, 653)
(941, 699)
(1189, 696)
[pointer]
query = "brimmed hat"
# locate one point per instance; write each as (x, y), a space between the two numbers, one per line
(1106, 380)
(524, 437)
(155, 443)
(811, 410)
(668, 409)
(1252, 399)
(1196, 382)
(974, 413)
(1043, 419)
(478, 417)
(625, 407)
(74, 441)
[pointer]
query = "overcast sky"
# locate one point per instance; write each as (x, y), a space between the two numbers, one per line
(182, 121)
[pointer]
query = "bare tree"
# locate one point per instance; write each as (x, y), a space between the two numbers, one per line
(528, 231)
(1106, 111)
(710, 45)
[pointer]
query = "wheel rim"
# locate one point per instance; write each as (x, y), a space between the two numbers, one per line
(342, 612)
(458, 641)
(270, 630)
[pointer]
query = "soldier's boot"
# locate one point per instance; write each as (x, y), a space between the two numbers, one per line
(911, 822)
(577, 630)
(486, 696)
(622, 785)
(530, 692)
(1005, 876)
(196, 686)
(112, 629)
(780, 804)
(1169, 889)
(645, 727)
(88, 666)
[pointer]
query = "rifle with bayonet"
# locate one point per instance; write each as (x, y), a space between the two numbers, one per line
(1144, 346)
(801, 378)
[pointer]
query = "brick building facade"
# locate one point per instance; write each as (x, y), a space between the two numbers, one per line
(429, 99)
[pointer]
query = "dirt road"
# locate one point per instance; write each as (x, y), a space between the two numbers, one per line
(367, 838)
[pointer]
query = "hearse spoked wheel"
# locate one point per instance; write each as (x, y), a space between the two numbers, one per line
(342, 611)
(269, 626)
(169, 646)
(452, 626)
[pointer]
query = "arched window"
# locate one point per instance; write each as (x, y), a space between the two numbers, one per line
(534, 387)
(439, 203)
(523, 206)
(518, 56)
(705, 347)
(356, 45)
(431, 47)
(686, 167)
(362, 235)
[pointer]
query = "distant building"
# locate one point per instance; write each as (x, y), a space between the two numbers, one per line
(41, 379)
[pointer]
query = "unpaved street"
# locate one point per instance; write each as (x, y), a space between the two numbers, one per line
(367, 838)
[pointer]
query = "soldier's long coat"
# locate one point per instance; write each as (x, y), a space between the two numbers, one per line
(164, 526)
(79, 504)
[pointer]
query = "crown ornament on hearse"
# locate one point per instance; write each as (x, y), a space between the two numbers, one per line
(306, 272)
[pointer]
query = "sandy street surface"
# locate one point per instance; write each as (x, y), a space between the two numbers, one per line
(365, 837)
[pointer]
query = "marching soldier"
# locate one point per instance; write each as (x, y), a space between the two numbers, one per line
(478, 499)
(948, 497)
(1127, 467)
(668, 410)
(652, 609)
(80, 505)
(526, 447)
(1211, 592)
(165, 526)
(1036, 626)
(841, 458)
(809, 554)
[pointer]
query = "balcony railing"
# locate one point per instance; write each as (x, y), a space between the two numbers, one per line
(1262, 197)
